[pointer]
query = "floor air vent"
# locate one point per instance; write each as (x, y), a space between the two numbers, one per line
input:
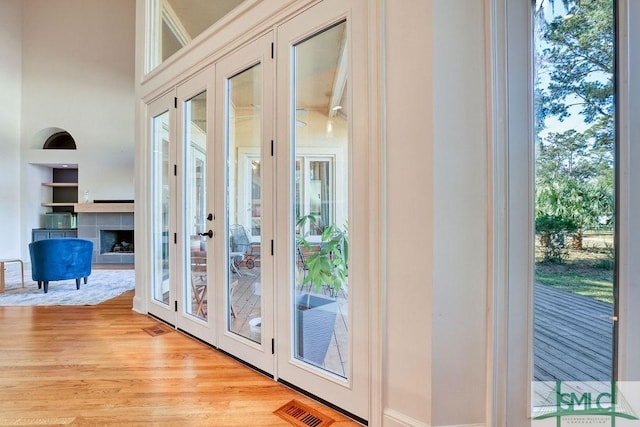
(301, 415)
(157, 329)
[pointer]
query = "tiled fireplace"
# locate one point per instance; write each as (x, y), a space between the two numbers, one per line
(112, 236)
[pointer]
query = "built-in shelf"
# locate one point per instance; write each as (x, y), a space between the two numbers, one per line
(103, 207)
(64, 190)
(53, 205)
(60, 184)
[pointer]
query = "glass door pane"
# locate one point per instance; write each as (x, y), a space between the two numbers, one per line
(324, 206)
(196, 222)
(244, 203)
(320, 291)
(256, 198)
(574, 291)
(160, 208)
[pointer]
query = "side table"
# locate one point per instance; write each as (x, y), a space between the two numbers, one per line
(2, 263)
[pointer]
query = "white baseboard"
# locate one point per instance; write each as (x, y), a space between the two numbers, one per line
(392, 418)
(138, 305)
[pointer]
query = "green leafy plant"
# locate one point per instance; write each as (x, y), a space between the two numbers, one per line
(551, 229)
(328, 265)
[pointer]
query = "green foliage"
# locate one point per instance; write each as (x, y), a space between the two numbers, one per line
(551, 231)
(329, 265)
(574, 167)
(585, 204)
(608, 262)
(579, 56)
(554, 224)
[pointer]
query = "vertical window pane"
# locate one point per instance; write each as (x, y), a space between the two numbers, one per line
(160, 207)
(320, 196)
(321, 200)
(195, 145)
(574, 192)
(244, 201)
(256, 198)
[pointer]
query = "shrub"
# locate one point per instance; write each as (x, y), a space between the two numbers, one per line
(551, 230)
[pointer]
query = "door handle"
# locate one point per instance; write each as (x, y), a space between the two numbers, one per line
(208, 234)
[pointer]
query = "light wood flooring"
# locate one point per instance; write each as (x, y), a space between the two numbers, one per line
(95, 365)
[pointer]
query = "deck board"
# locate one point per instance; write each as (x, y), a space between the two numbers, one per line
(572, 337)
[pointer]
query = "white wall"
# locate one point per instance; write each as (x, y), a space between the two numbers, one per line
(78, 75)
(410, 212)
(10, 99)
(436, 145)
(460, 213)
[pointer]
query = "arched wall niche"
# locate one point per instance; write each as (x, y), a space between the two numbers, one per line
(53, 138)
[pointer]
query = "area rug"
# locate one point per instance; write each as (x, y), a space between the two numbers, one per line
(101, 286)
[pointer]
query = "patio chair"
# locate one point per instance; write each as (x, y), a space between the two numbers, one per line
(199, 282)
(240, 248)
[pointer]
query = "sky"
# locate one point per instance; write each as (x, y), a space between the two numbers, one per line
(552, 124)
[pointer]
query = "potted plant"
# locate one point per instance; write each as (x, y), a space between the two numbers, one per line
(327, 266)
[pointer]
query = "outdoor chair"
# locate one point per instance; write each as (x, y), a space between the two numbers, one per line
(199, 282)
(240, 248)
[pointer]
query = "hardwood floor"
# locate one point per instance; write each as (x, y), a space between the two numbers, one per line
(95, 365)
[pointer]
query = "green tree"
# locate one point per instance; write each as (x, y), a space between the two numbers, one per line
(578, 54)
(574, 168)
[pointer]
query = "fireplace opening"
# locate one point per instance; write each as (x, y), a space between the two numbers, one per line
(116, 241)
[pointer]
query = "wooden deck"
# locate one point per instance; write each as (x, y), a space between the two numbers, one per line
(572, 337)
(246, 304)
(572, 334)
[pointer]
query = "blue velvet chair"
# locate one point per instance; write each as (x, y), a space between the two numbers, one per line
(60, 259)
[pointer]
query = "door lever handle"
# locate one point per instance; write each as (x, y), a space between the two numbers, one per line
(208, 234)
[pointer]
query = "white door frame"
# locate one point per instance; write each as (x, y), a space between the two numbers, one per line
(259, 355)
(155, 108)
(200, 328)
(351, 394)
(511, 88)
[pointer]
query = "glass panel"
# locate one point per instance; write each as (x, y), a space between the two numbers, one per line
(319, 196)
(574, 197)
(160, 207)
(244, 98)
(256, 198)
(298, 189)
(180, 21)
(321, 201)
(195, 140)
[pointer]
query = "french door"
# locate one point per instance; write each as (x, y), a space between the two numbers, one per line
(195, 266)
(161, 128)
(181, 209)
(322, 207)
(244, 203)
(260, 204)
